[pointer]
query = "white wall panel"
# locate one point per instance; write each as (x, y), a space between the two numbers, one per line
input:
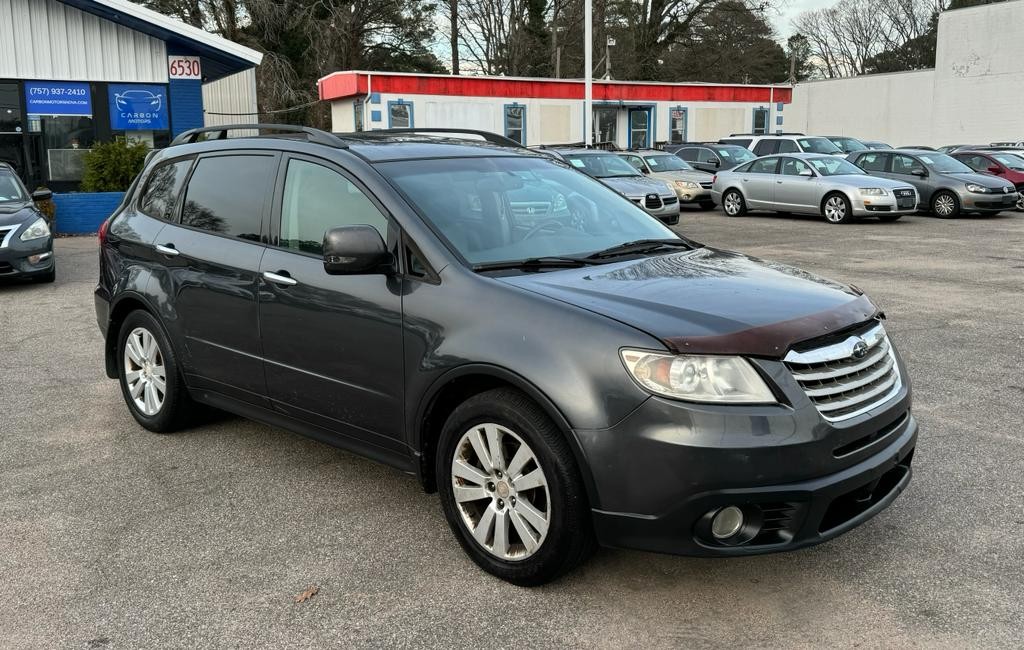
(45, 39)
(234, 94)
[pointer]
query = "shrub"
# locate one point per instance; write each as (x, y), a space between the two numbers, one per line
(111, 166)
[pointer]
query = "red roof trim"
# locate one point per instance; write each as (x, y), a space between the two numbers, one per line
(349, 84)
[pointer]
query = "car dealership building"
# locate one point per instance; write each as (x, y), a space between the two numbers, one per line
(77, 72)
(537, 111)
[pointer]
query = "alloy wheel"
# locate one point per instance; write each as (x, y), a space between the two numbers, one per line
(501, 491)
(732, 204)
(144, 371)
(1020, 201)
(835, 209)
(945, 205)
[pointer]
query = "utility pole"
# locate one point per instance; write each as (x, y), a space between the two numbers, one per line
(608, 43)
(588, 72)
(453, 6)
(792, 66)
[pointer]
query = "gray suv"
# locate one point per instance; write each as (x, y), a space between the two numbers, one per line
(588, 377)
(945, 186)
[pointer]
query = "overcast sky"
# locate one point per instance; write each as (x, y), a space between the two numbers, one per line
(789, 9)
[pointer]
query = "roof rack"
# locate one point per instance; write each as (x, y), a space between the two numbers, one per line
(315, 136)
(766, 135)
(604, 145)
(488, 136)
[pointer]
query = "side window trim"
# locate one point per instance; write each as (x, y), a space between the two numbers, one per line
(394, 235)
(267, 197)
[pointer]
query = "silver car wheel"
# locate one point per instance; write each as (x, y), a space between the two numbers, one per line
(144, 371)
(501, 492)
(1020, 201)
(835, 209)
(945, 205)
(731, 204)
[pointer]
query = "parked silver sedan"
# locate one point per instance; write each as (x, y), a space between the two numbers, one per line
(812, 184)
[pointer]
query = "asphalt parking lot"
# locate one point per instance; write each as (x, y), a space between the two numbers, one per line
(113, 537)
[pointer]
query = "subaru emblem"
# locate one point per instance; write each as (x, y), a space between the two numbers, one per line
(652, 197)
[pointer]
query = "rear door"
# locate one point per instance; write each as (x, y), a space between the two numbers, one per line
(766, 147)
(332, 344)
(759, 183)
(213, 254)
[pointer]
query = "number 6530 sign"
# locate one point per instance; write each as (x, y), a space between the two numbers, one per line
(183, 67)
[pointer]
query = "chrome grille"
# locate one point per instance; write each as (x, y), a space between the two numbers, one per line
(671, 200)
(706, 185)
(848, 378)
(5, 234)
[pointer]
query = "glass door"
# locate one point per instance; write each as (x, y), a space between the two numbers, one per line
(639, 128)
(605, 124)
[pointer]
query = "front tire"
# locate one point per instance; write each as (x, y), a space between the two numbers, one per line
(48, 277)
(733, 203)
(837, 209)
(945, 205)
(149, 375)
(510, 489)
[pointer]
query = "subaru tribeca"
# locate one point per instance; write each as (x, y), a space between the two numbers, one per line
(571, 375)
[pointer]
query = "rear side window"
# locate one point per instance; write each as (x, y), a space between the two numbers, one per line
(739, 142)
(689, 154)
(226, 195)
(873, 162)
(788, 146)
(162, 189)
(765, 147)
(317, 199)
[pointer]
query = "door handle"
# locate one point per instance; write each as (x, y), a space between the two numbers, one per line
(281, 277)
(779, 182)
(167, 249)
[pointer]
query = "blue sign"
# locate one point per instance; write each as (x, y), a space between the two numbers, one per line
(58, 98)
(138, 107)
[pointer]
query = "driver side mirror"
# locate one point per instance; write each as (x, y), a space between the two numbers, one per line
(42, 195)
(807, 172)
(994, 169)
(716, 162)
(920, 173)
(352, 250)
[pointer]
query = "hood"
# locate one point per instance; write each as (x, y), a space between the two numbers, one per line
(638, 186)
(682, 175)
(985, 180)
(709, 301)
(17, 213)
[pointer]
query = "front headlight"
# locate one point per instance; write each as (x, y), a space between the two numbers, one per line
(688, 185)
(694, 378)
(37, 230)
(873, 191)
(977, 189)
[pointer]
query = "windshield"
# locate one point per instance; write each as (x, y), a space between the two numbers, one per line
(601, 165)
(667, 163)
(818, 145)
(943, 164)
(1014, 162)
(735, 155)
(11, 188)
(834, 166)
(518, 208)
(849, 144)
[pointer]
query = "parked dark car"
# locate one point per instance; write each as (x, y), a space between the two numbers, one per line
(26, 243)
(1006, 165)
(591, 377)
(876, 145)
(945, 186)
(712, 157)
(847, 144)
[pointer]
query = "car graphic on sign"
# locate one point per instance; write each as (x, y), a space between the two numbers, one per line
(138, 101)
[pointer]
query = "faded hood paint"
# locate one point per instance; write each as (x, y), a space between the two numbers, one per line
(637, 187)
(709, 301)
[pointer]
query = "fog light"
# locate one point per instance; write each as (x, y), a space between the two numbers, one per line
(36, 259)
(727, 522)
(686, 197)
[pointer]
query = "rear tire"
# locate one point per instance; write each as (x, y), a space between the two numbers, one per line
(150, 376)
(836, 209)
(521, 515)
(945, 205)
(889, 218)
(733, 203)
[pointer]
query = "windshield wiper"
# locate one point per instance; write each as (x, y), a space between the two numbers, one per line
(641, 246)
(536, 263)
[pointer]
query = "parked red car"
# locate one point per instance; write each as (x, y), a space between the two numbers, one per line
(1008, 165)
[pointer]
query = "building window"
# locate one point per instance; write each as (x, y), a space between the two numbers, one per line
(400, 115)
(515, 123)
(357, 109)
(677, 125)
(605, 123)
(760, 121)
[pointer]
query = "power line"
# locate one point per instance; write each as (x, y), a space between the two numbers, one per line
(274, 112)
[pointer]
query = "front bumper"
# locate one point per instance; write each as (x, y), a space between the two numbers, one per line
(16, 258)
(699, 195)
(876, 205)
(660, 473)
(971, 202)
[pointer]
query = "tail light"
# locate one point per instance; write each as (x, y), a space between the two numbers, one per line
(102, 234)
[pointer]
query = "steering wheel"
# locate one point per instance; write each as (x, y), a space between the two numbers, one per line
(547, 224)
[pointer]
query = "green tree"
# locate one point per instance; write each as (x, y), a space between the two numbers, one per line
(112, 166)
